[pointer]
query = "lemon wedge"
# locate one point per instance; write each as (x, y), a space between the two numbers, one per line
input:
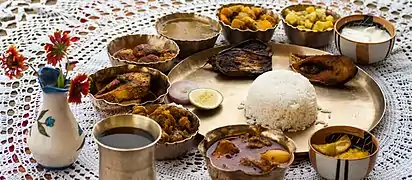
(205, 98)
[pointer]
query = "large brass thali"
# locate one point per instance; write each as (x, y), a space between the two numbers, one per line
(360, 103)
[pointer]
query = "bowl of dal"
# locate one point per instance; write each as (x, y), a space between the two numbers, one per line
(192, 32)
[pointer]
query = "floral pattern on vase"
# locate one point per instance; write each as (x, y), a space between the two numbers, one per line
(56, 138)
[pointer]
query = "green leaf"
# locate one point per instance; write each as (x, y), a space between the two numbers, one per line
(60, 80)
(42, 113)
(42, 130)
(81, 145)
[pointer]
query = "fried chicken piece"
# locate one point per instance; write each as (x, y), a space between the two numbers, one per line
(126, 54)
(140, 110)
(225, 147)
(185, 124)
(258, 142)
(149, 58)
(262, 164)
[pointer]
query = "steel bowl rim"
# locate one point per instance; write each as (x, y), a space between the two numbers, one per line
(246, 30)
(285, 165)
(311, 148)
(167, 17)
(134, 104)
(143, 63)
(336, 16)
(357, 42)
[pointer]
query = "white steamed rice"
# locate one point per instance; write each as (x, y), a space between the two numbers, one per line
(282, 99)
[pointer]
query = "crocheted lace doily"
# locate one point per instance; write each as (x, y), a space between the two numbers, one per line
(27, 23)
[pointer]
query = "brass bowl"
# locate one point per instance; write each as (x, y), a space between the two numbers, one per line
(173, 150)
(159, 86)
(235, 35)
(131, 41)
(333, 168)
(306, 37)
(217, 134)
(189, 47)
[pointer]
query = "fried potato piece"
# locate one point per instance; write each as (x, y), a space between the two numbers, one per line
(263, 25)
(276, 156)
(236, 23)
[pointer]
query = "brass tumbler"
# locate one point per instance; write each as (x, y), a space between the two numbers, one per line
(127, 164)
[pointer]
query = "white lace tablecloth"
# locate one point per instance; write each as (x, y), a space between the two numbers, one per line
(27, 23)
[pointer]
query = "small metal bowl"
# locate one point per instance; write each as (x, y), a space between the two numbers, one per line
(131, 41)
(306, 37)
(173, 150)
(159, 86)
(218, 173)
(189, 47)
(333, 168)
(235, 35)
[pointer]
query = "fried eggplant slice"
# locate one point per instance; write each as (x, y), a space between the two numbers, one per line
(256, 46)
(248, 59)
(328, 70)
(241, 62)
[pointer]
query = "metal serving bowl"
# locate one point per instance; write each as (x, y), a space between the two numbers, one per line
(159, 86)
(189, 47)
(235, 35)
(218, 173)
(173, 150)
(307, 37)
(131, 41)
(334, 168)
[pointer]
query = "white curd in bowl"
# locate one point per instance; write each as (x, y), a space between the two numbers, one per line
(365, 34)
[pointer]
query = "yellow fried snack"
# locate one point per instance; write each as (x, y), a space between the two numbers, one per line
(335, 148)
(236, 23)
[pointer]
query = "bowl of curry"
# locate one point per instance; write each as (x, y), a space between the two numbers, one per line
(245, 152)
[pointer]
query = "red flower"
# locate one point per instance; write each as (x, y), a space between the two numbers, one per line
(78, 86)
(13, 62)
(58, 49)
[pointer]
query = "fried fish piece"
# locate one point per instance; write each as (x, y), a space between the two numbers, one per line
(136, 86)
(328, 70)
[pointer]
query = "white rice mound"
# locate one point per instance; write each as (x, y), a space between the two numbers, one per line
(282, 99)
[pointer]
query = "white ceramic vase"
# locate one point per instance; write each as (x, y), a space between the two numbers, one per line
(55, 138)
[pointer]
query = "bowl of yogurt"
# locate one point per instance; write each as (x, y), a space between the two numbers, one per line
(366, 39)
